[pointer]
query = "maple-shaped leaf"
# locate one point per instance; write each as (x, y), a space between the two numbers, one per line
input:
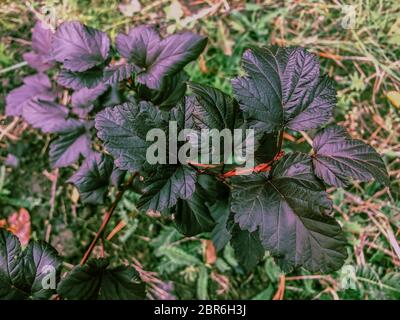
(36, 86)
(40, 58)
(96, 280)
(22, 273)
(289, 210)
(95, 176)
(79, 80)
(123, 130)
(166, 186)
(79, 47)
(283, 88)
(248, 248)
(46, 115)
(193, 215)
(156, 57)
(338, 157)
(82, 100)
(73, 141)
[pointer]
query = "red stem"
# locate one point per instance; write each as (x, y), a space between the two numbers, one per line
(107, 218)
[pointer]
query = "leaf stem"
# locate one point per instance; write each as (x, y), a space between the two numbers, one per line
(280, 140)
(107, 218)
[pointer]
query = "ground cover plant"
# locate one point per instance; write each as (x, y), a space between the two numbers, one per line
(96, 99)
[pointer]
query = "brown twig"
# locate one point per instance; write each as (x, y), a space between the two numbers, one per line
(107, 218)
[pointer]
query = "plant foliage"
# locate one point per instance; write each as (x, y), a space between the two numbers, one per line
(281, 207)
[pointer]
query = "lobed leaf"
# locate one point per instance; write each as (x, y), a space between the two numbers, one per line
(162, 190)
(96, 280)
(73, 141)
(79, 47)
(283, 88)
(40, 58)
(156, 57)
(46, 115)
(289, 211)
(338, 157)
(94, 177)
(193, 215)
(123, 135)
(22, 272)
(36, 86)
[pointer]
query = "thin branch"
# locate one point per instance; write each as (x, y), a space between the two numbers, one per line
(107, 218)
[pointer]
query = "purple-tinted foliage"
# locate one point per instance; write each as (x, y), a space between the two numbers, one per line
(79, 47)
(283, 88)
(82, 100)
(36, 86)
(338, 158)
(79, 80)
(12, 160)
(286, 211)
(157, 57)
(73, 141)
(46, 115)
(94, 176)
(40, 57)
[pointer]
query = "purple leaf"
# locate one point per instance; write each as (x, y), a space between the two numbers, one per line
(283, 88)
(36, 86)
(79, 47)
(140, 45)
(78, 80)
(46, 115)
(338, 157)
(289, 211)
(94, 177)
(82, 100)
(158, 57)
(73, 141)
(40, 58)
(115, 74)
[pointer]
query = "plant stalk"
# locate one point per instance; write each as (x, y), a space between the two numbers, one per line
(107, 218)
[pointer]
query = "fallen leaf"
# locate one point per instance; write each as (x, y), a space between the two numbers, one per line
(19, 223)
(394, 98)
(210, 254)
(174, 11)
(129, 9)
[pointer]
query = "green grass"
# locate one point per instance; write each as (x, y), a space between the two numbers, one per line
(364, 62)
